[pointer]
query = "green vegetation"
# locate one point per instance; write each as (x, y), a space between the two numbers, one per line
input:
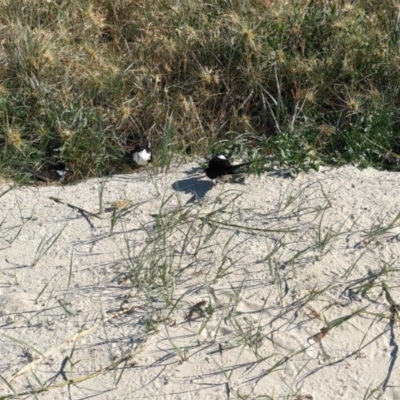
(306, 81)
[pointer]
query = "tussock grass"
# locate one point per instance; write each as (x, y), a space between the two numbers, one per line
(309, 82)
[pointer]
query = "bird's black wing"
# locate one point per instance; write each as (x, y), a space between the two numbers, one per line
(50, 175)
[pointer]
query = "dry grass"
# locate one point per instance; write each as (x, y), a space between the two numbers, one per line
(307, 81)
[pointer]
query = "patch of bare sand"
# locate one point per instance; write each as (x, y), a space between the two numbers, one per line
(279, 288)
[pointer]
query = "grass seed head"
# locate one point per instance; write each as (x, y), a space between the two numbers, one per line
(14, 136)
(206, 75)
(353, 105)
(3, 90)
(326, 130)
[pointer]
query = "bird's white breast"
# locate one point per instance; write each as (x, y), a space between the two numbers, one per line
(142, 157)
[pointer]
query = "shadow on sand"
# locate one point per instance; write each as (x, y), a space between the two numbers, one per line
(196, 186)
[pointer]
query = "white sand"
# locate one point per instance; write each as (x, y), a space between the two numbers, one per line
(271, 292)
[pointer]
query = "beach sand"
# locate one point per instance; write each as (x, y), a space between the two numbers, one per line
(282, 288)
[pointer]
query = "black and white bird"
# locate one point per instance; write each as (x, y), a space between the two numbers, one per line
(142, 155)
(52, 173)
(219, 167)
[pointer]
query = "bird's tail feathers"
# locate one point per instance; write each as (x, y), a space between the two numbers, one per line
(242, 165)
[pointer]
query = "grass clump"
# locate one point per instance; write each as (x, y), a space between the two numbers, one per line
(309, 82)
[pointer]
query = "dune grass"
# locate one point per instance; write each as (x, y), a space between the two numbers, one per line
(307, 82)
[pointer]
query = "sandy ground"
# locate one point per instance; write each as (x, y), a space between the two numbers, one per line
(279, 288)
